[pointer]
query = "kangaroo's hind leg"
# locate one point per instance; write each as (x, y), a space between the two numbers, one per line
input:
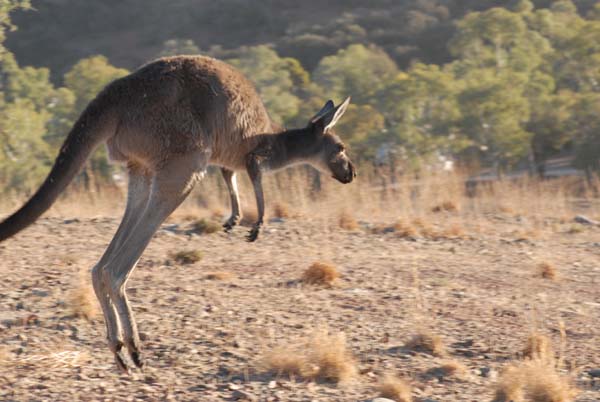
(137, 198)
(170, 186)
(236, 215)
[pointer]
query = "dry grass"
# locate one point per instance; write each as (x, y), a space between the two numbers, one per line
(281, 210)
(219, 276)
(547, 271)
(454, 231)
(82, 299)
(249, 217)
(395, 388)
(427, 342)
(446, 206)
(186, 257)
(535, 381)
(320, 273)
(538, 347)
(347, 221)
(206, 226)
(404, 229)
(320, 356)
(449, 368)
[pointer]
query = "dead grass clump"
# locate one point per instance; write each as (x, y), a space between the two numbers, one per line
(446, 206)
(455, 231)
(450, 368)
(533, 380)
(249, 217)
(82, 299)
(321, 356)
(547, 271)
(320, 273)
(347, 221)
(395, 388)
(538, 347)
(404, 229)
(427, 342)
(217, 213)
(186, 257)
(281, 210)
(205, 226)
(219, 276)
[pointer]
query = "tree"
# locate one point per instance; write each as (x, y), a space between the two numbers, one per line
(24, 156)
(494, 111)
(422, 110)
(358, 70)
(174, 47)
(279, 81)
(86, 79)
(585, 124)
(498, 39)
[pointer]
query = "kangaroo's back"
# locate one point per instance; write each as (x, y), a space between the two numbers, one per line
(179, 103)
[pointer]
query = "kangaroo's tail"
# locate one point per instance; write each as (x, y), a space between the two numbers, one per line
(94, 126)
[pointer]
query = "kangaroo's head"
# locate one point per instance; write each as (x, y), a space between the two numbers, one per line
(331, 157)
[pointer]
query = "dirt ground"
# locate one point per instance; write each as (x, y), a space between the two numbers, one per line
(205, 339)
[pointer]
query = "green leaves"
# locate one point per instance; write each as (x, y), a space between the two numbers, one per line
(278, 80)
(358, 70)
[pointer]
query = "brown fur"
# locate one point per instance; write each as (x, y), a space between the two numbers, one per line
(167, 121)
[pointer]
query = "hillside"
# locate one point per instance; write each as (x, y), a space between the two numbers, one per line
(58, 33)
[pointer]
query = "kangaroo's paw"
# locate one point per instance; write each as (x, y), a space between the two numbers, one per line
(136, 358)
(253, 234)
(231, 223)
(116, 349)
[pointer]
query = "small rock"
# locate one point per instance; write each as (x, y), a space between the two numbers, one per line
(272, 384)
(239, 395)
(69, 221)
(594, 373)
(380, 400)
(584, 220)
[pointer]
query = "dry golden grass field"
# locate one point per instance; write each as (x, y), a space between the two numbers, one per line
(411, 291)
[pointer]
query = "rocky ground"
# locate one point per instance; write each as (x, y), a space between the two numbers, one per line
(205, 337)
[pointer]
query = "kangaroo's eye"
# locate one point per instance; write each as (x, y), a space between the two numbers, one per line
(340, 148)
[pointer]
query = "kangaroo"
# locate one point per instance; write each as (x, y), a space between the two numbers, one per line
(167, 122)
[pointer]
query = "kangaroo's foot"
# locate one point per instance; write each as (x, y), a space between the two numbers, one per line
(116, 348)
(253, 234)
(231, 223)
(136, 358)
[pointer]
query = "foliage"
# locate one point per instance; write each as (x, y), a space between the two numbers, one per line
(497, 83)
(279, 80)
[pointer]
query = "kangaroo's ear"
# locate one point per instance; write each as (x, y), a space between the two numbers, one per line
(329, 115)
(329, 106)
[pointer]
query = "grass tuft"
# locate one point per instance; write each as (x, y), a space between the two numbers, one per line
(82, 299)
(219, 276)
(446, 206)
(450, 368)
(321, 356)
(205, 226)
(533, 380)
(538, 347)
(281, 210)
(187, 257)
(346, 221)
(404, 229)
(547, 271)
(395, 388)
(427, 342)
(320, 273)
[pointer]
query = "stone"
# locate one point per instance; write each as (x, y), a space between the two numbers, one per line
(584, 220)
(239, 395)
